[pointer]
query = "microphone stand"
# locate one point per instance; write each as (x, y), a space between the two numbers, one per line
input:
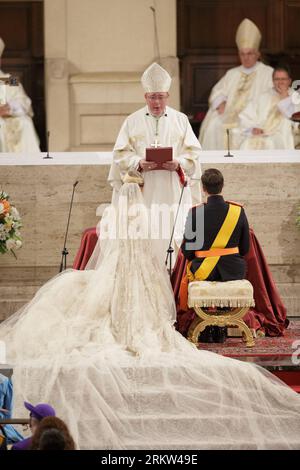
(170, 249)
(64, 253)
(228, 147)
(48, 136)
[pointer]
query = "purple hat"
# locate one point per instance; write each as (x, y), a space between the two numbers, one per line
(40, 411)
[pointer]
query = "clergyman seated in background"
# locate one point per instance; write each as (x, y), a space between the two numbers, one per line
(234, 91)
(17, 133)
(266, 123)
(206, 222)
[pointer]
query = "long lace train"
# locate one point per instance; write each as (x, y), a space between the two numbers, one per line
(100, 346)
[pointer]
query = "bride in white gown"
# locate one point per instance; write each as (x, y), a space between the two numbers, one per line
(101, 347)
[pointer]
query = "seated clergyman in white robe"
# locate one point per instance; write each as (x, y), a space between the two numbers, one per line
(267, 124)
(159, 124)
(235, 90)
(17, 133)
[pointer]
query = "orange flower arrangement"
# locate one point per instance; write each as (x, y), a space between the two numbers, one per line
(10, 224)
(6, 207)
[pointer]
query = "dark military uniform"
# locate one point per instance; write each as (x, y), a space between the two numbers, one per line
(202, 226)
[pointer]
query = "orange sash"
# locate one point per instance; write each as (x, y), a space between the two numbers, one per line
(211, 256)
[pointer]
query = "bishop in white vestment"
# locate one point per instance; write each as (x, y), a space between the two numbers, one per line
(158, 124)
(266, 124)
(17, 133)
(235, 90)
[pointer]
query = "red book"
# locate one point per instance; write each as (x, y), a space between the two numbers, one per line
(159, 155)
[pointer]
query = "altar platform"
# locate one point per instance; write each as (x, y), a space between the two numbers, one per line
(105, 158)
(266, 182)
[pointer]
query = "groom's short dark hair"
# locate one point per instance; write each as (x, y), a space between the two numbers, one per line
(212, 181)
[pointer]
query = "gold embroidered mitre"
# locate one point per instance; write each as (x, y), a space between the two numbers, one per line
(248, 35)
(155, 79)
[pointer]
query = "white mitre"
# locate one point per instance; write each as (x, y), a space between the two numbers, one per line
(2, 46)
(155, 79)
(248, 35)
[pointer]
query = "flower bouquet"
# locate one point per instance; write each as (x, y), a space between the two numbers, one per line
(10, 224)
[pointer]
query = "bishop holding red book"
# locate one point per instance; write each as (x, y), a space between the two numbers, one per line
(159, 141)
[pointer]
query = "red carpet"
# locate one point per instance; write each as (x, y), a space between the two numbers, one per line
(274, 354)
(266, 347)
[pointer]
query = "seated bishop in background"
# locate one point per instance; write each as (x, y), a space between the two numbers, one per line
(17, 133)
(234, 91)
(266, 123)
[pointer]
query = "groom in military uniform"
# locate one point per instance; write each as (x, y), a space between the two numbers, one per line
(215, 241)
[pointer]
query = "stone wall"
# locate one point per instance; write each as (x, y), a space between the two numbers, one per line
(270, 193)
(95, 53)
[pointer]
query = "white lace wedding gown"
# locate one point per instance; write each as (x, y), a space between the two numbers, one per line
(99, 345)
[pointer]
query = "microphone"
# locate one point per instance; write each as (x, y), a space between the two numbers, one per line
(48, 137)
(64, 253)
(228, 146)
(13, 81)
(170, 249)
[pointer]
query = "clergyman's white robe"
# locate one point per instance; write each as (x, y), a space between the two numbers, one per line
(17, 133)
(238, 87)
(272, 115)
(162, 188)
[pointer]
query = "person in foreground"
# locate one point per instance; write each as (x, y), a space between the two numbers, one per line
(103, 341)
(37, 414)
(52, 434)
(8, 432)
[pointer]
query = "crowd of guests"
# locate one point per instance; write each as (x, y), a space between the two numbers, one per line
(48, 431)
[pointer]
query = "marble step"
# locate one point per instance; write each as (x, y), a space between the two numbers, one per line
(17, 292)
(12, 298)
(198, 431)
(203, 445)
(151, 403)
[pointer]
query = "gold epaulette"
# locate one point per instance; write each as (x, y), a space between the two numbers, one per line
(235, 203)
